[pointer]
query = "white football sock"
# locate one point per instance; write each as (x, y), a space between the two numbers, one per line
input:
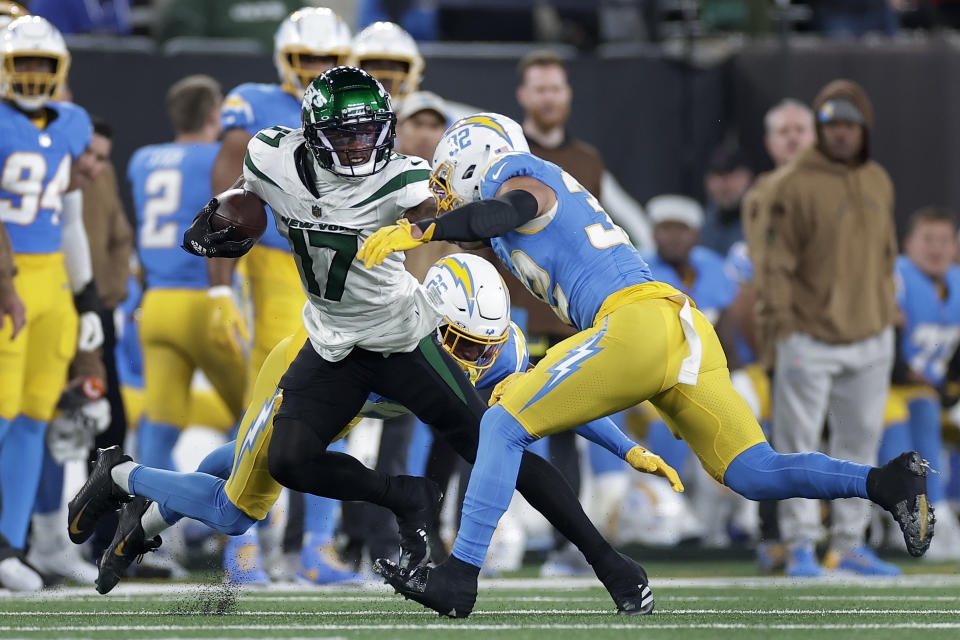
(152, 522)
(121, 474)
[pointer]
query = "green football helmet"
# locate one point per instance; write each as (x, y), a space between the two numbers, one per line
(348, 122)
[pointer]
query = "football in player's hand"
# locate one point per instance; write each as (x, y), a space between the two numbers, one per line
(244, 211)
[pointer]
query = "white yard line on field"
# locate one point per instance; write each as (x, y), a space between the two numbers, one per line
(322, 614)
(505, 584)
(451, 627)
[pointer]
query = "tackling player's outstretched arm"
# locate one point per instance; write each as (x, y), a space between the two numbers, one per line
(519, 200)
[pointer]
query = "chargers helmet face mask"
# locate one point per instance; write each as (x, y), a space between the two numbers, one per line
(35, 62)
(465, 151)
(314, 32)
(388, 42)
(476, 309)
(348, 122)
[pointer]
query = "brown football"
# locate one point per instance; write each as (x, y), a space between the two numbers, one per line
(244, 211)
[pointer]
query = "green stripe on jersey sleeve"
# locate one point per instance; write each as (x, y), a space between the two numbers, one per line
(395, 183)
(248, 162)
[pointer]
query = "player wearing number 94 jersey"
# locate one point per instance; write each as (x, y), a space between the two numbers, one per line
(170, 182)
(638, 340)
(39, 139)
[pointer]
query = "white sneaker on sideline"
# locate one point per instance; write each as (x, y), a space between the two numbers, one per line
(946, 544)
(53, 554)
(17, 576)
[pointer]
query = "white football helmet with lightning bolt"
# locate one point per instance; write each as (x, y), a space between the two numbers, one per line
(476, 309)
(26, 44)
(311, 31)
(389, 42)
(465, 151)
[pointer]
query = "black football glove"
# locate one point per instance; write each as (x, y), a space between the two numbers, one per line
(201, 240)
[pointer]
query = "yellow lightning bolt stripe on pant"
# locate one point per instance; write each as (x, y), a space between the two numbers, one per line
(250, 486)
(637, 350)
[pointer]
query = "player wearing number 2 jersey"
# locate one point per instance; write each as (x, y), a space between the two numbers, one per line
(170, 183)
(638, 339)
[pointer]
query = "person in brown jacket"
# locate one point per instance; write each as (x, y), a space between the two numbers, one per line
(825, 289)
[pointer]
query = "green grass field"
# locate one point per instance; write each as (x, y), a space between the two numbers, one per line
(915, 606)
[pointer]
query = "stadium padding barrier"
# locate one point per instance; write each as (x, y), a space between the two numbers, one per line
(655, 119)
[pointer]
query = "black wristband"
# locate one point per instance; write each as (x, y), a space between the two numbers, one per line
(87, 299)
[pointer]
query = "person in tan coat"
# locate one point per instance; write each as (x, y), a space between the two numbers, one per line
(825, 289)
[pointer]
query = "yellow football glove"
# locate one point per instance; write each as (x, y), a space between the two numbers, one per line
(501, 387)
(646, 461)
(226, 328)
(386, 240)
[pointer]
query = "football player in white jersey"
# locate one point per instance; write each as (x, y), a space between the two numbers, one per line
(330, 185)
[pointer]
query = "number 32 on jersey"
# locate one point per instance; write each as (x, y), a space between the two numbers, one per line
(602, 235)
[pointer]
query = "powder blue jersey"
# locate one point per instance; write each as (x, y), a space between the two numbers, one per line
(171, 183)
(572, 257)
(711, 289)
(931, 329)
(252, 107)
(36, 173)
(738, 266)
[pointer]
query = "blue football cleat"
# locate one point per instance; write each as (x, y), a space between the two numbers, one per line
(862, 561)
(319, 564)
(802, 563)
(242, 561)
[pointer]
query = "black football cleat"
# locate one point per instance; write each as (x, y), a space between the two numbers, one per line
(630, 589)
(416, 522)
(98, 495)
(129, 544)
(450, 588)
(900, 487)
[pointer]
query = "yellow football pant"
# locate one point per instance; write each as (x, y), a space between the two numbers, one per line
(173, 332)
(207, 409)
(33, 368)
(277, 297)
(638, 350)
(896, 410)
(250, 487)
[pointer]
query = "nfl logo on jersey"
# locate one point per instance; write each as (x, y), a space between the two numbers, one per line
(316, 211)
